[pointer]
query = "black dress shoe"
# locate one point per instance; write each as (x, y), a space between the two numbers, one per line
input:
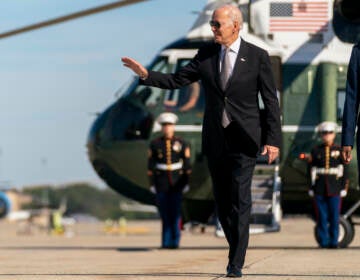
(233, 272)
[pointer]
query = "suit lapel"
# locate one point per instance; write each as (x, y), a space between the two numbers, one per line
(215, 66)
(240, 61)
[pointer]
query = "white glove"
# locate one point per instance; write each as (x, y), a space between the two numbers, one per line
(186, 189)
(311, 193)
(152, 189)
(343, 193)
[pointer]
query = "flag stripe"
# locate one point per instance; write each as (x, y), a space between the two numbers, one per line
(298, 28)
(295, 24)
(299, 21)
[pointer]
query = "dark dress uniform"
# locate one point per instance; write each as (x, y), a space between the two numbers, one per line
(169, 169)
(328, 178)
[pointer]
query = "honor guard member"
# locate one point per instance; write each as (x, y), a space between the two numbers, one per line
(328, 184)
(168, 170)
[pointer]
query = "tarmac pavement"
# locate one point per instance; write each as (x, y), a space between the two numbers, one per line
(93, 254)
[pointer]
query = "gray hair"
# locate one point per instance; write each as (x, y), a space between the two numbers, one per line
(234, 13)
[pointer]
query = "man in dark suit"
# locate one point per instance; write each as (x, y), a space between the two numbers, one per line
(351, 107)
(233, 72)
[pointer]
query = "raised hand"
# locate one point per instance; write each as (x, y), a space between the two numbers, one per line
(135, 66)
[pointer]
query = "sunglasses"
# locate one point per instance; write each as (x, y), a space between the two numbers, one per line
(326, 132)
(214, 23)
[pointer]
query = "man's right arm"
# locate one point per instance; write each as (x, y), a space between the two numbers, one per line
(184, 76)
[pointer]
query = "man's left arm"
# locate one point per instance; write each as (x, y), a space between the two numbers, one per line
(271, 126)
(351, 106)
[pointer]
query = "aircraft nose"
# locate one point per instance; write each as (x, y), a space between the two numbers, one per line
(117, 149)
(4, 205)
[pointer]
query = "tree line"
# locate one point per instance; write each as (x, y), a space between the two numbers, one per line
(82, 198)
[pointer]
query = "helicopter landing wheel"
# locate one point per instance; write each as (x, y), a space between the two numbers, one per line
(346, 233)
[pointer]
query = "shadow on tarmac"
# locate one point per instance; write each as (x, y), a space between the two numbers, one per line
(213, 276)
(145, 249)
(299, 248)
(302, 275)
(120, 249)
(154, 248)
(164, 274)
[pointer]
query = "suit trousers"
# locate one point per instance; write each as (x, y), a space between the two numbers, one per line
(231, 177)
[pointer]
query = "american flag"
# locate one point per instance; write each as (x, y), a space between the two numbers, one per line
(299, 16)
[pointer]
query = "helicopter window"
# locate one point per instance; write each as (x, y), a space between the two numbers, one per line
(186, 98)
(150, 96)
(340, 104)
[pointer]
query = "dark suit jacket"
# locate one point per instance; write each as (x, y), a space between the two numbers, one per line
(351, 107)
(252, 74)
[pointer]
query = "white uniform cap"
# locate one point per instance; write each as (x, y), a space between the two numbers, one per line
(327, 126)
(167, 118)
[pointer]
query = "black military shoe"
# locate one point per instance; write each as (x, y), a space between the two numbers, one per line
(233, 272)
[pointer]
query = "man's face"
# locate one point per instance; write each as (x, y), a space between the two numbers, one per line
(168, 129)
(328, 137)
(226, 33)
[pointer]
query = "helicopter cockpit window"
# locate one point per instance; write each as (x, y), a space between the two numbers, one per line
(150, 96)
(187, 98)
(340, 104)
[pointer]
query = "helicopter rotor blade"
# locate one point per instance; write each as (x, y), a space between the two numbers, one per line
(69, 17)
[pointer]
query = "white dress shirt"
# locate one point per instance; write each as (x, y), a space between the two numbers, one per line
(233, 52)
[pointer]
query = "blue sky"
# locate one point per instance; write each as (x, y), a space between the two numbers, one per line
(53, 80)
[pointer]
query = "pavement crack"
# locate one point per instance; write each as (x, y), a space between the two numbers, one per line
(262, 259)
(219, 277)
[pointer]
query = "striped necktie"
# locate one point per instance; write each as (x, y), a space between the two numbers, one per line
(224, 77)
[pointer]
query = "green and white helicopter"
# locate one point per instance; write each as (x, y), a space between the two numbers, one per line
(309, 46)
(309, 43)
